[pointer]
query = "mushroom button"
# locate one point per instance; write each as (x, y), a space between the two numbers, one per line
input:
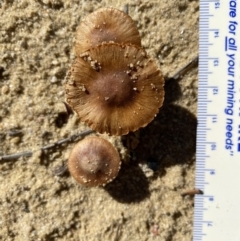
(115, 88)
(104, 25)
(94, 161)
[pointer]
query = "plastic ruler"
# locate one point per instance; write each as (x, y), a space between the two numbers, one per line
(217, 212)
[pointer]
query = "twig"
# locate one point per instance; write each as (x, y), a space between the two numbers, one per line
(47, 147)
(184, 69)
(192, 192)
(16, 156)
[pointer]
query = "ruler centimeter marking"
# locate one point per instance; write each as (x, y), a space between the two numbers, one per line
(217, 212)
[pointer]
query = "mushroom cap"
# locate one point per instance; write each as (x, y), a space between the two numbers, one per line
(115, 88)
(105, 25)
(94, 161)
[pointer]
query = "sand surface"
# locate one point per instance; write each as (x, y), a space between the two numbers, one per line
(36, 50)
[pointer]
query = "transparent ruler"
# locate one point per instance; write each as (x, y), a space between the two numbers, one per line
(217, 212)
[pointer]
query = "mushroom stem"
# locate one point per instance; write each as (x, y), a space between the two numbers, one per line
(47, 147)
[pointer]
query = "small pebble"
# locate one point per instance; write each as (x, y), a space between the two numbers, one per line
(54, 79)
(16, 140)
(61, 93)
(5, 89)
(55, 62)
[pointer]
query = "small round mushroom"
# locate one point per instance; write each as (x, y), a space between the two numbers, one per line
(115, 88)
(94, 161)
(105, 25)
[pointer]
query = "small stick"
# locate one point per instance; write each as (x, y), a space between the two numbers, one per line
(16, 156)
(50, 146)
(184, 69)
(192, 192)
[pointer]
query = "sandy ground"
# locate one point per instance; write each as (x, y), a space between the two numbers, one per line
(36, 50)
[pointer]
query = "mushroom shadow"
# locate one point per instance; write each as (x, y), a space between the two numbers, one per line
(172, 91)
(131, 185)
(170, 138)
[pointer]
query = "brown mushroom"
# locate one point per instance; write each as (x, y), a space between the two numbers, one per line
(105, 25)
(115, 88)
(94, 161)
